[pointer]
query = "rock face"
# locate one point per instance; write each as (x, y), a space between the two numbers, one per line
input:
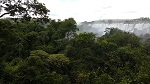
(138, 26)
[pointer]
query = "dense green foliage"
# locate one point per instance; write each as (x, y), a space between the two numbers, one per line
(45, 51)
(23, 8)
(36, 53)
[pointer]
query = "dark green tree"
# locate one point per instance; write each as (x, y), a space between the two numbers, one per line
(22, 8)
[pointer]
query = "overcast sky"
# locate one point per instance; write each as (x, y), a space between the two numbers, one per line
(89, 10)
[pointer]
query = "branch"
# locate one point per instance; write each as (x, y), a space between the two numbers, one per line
(3, 15)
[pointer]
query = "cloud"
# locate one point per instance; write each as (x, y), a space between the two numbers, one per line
(130, 12)
(54, 15)
(88, 10)
(107, 7)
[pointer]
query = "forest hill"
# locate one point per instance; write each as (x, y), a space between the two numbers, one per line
(33, 53)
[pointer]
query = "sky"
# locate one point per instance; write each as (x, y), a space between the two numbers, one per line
(90, 10)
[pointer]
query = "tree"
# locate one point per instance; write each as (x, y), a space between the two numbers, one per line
(68, 27)
(7, 39)
(59, 63)
(62, 29)
(22, 8)
(83, 40)
(123, 38)
(147, 46)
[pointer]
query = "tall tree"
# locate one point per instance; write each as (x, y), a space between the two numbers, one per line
(23, 8)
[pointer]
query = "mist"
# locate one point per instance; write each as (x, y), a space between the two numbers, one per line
(140, 26)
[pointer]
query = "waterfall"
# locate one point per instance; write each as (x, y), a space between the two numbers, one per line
(136, 26)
